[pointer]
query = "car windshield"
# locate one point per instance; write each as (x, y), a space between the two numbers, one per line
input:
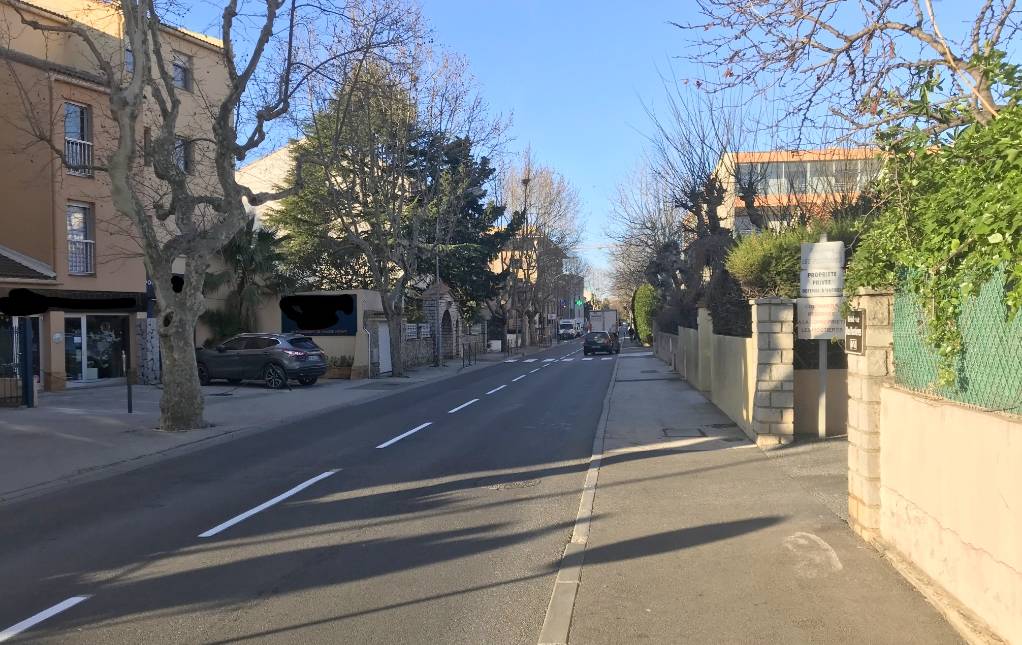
(304, 343)
(567, 326)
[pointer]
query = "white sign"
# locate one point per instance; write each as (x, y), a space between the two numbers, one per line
(820, 318)
(823, 273)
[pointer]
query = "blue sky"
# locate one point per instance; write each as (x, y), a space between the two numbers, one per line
(573, 75)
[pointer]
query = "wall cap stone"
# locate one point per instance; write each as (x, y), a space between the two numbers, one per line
(771, 301)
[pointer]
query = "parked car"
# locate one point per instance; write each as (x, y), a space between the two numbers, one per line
(600, 341)
(272, 358)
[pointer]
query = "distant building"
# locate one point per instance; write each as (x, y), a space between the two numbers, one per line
(777, 184)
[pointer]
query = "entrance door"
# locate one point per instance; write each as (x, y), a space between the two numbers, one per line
(74, 347)
(383, 334)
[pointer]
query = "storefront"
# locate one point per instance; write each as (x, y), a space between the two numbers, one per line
(93, 346)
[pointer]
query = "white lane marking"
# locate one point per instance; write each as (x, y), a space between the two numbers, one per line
(265, 505)
(607, 358)
(588, 358)
(14, 630)
(519, 378)
(530, 360)
(549, 360)
(535, 370)
(462, 406)
(404, 434)
(497, 389)
(511, 360)
(566, 360)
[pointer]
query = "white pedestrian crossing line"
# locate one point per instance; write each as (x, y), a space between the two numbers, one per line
(607, 358)
(566, 360)
(530, 360)
(549, 360)
(588, 358)
(511, 360)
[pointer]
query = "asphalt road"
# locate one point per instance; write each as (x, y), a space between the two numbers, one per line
(451, 533)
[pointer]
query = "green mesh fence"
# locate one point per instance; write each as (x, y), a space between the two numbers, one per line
(989, 371)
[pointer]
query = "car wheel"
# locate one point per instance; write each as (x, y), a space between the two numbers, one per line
(307, 380)
(203, 374)
(234, 381)
(274, 377)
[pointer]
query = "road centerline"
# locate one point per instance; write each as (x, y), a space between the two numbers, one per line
(462, 406)
(265, 505)
(497, 389)
(405, 434)
(64, 605)
(519, 378)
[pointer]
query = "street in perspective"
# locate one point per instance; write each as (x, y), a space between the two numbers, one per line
(426, 321)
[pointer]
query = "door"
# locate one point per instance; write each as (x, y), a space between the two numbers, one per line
(74, 347)
(226, 364)
(255, 355)
(383, 334)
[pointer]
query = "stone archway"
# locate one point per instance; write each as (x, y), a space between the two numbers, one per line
(447, 335)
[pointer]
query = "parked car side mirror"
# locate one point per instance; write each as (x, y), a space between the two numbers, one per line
(221, 349)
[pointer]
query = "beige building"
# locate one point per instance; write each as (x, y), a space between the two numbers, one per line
(59, 232)
(776, 184)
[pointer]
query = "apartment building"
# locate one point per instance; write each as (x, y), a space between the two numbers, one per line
(765, 189)
(59, 232)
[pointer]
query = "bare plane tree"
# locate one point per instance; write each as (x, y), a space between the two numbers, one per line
(862, 61)
(182, 218)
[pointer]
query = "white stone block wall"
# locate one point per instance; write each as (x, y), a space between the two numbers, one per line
(773, 415)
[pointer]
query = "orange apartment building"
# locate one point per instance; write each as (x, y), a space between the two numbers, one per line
(59, 232)
(780, 182)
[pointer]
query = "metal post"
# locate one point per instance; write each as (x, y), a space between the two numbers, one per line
(821, 412)
(127, 376)
(27, 363)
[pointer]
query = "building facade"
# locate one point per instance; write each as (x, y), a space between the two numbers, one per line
(769, 188)
(60, 235)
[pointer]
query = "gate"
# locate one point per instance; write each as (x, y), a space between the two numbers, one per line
(16, 381)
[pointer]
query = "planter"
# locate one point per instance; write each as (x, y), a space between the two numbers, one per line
(338, 372)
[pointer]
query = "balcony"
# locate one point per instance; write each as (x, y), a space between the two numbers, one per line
(78, 157)
(81, 257)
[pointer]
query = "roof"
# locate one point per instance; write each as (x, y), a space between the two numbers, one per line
(818, 154)
(19, 266)
(436, 289)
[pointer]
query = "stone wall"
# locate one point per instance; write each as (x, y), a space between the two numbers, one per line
(773, 418)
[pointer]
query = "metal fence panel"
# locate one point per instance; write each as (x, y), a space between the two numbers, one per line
(989, 370)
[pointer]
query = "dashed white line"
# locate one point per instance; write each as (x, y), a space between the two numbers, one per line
(566, 360)
(14, 630)
(462, 406)
(535, 370)
(519, 378)
(588, 358)
(607, 358)
(404, 434)
(497, 389)
(265, 505)
(530, 360)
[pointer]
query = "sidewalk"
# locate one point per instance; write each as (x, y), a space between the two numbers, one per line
(82, 433)
(703, 538)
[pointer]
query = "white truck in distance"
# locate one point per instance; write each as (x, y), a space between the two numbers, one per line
(603, 320)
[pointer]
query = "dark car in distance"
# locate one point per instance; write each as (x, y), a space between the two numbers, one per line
(271, 358)
(600, 341)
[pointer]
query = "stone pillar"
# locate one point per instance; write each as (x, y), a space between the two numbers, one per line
(704, 379)
(866, 374)
(773, 335)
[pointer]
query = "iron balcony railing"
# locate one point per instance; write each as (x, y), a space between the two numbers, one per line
(78, 157)
(81, 257)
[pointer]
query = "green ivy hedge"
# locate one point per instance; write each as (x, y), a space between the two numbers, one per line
(645, 312)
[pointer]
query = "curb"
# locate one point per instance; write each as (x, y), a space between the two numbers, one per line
(557, 622)
(103, 471)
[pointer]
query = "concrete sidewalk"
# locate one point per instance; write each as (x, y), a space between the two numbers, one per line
(82, 433)
(703, 538)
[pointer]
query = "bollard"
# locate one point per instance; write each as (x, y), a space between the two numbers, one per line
(127, 376)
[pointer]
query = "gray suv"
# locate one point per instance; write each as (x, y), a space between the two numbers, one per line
(272, 358)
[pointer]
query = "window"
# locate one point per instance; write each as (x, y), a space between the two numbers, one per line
(129, 61)
(81, 248)
(182, 69)
(235, 344)
(183, 154)
(260, 343)
(78, 139)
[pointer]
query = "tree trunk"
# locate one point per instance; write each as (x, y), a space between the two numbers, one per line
(181, 402)
(396, 326)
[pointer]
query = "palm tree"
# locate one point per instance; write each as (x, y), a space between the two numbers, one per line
(252, 273)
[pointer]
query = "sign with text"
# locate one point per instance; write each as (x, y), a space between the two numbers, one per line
(820, 318)
(823, 272)
(855, 328)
